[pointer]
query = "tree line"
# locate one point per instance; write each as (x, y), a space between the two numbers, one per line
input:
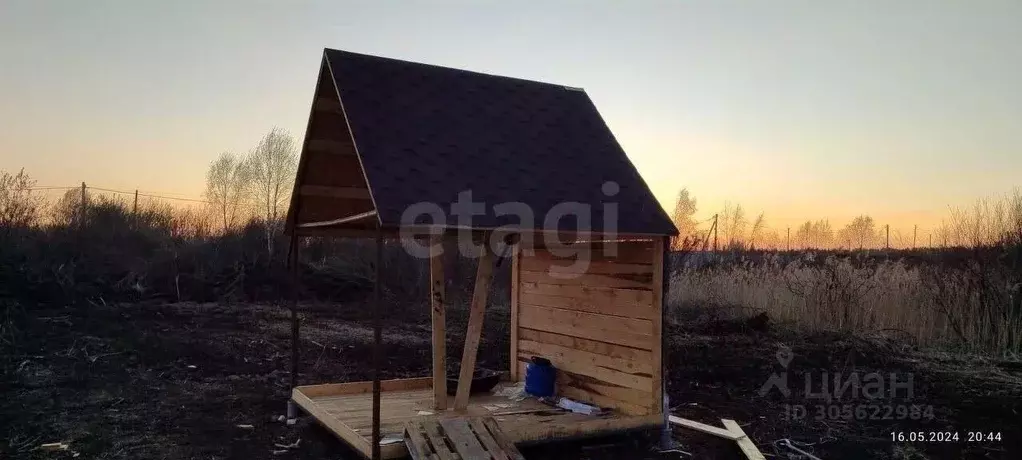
(989, 222)
(240, 188)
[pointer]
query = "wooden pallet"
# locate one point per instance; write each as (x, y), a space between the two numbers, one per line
(461, 438)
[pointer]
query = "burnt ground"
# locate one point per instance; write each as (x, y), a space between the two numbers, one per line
(174, 381)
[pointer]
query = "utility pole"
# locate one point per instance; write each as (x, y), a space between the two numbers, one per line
(134, 210)
(715, 233)
(915, 230)
(888, 230)
(931, 240)
(788, 241)
(82, 207)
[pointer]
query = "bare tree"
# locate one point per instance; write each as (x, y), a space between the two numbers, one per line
(227, 182)
(816, 235)
(684, 209)
(861, 232)
(18, 206)
(732, 224)
(272, 165)
(758, 226)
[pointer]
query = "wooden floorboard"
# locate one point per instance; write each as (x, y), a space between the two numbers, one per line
(527, 420)
(464, 441)
(486, 439)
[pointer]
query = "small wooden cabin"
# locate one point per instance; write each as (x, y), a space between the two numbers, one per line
(389, 142)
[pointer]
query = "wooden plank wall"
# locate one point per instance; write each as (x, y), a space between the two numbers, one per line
(598, 323)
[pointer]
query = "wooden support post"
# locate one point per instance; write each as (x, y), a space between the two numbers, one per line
(660, 254)
(438, 299)
(377, 346)
(475, 326)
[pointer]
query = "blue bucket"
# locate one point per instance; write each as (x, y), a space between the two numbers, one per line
(540, 376)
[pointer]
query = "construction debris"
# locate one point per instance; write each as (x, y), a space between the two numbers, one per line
(731, 431)
(54, 446)
(293, 445)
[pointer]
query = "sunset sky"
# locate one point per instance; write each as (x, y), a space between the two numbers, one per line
(801, 109)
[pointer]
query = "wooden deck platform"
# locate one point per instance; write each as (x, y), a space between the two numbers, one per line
(346, 410)
(459, 438)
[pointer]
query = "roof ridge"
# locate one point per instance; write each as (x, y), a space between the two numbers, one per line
(476, 72)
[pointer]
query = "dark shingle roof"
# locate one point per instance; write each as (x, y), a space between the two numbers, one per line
(427, 133)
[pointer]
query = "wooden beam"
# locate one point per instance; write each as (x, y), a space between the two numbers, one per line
(438, 299)
(330, 421)
(708, 429)
(744, 443)
(343, 220)
(475, 327)
(352, 193)
(348, 388)
(516, 266)
(332, 147)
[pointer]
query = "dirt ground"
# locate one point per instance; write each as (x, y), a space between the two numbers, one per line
(180, 381)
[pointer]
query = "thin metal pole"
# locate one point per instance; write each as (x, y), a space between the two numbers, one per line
(293, 261)
(377, 346)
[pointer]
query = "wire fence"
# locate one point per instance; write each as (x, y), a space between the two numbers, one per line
(136, 192)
